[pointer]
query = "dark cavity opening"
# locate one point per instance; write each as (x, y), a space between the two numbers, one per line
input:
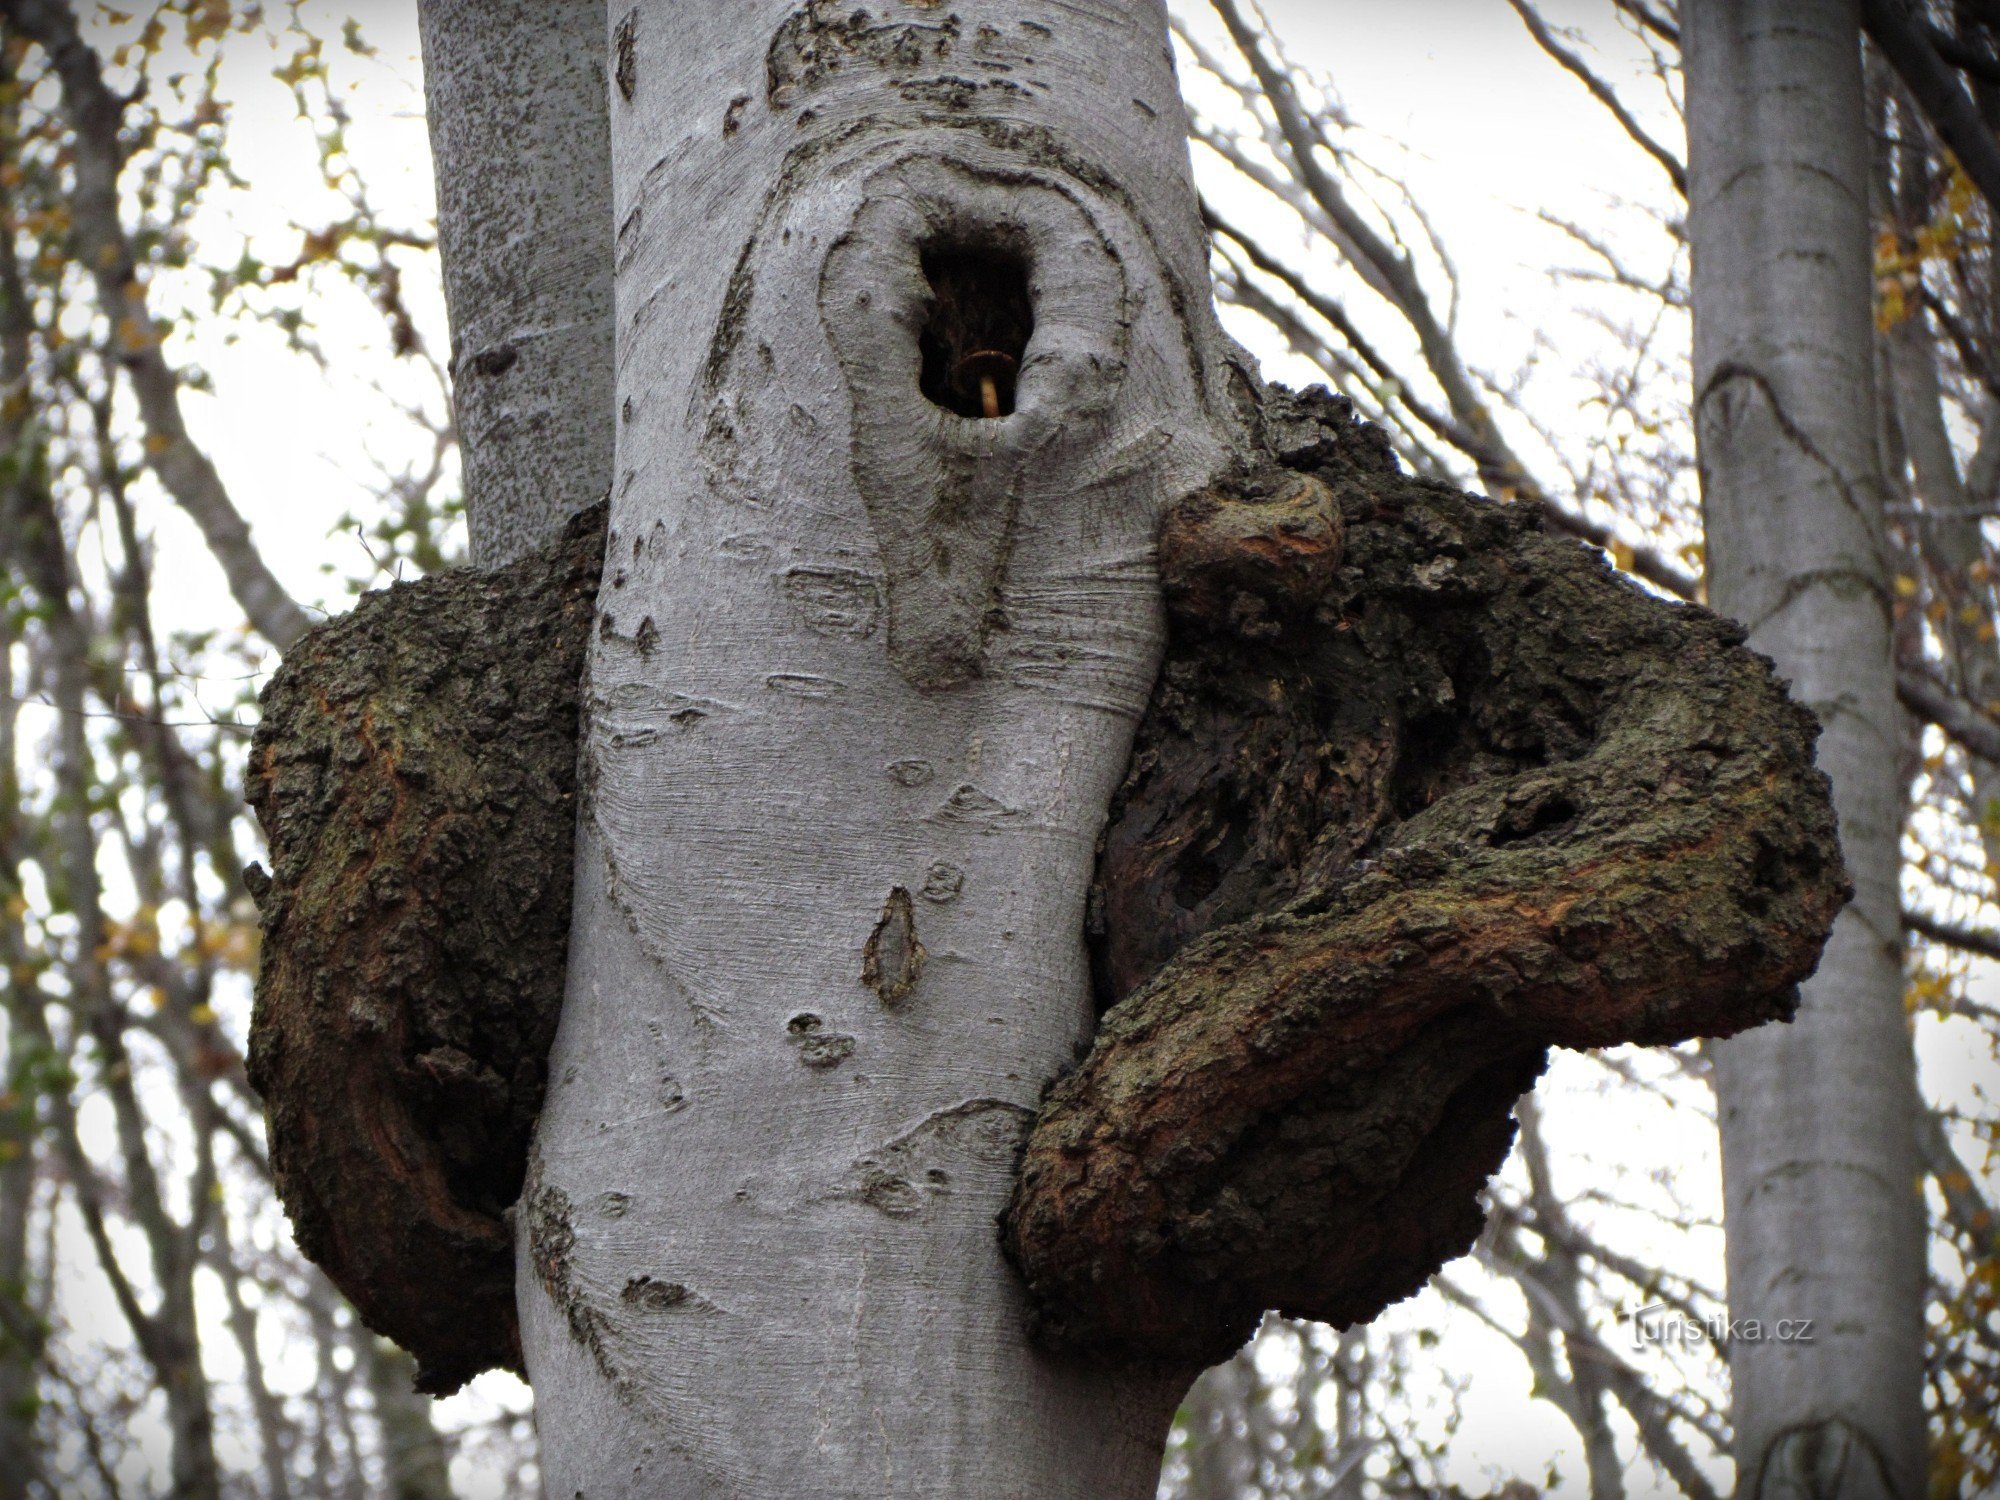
(1519, 825)
(977, 332)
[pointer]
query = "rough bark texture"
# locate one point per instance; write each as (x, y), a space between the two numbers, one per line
(415, 776)
(1421, 792)
(1397, 821)
(1822, 1187)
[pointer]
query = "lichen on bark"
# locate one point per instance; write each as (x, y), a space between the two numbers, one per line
(1423, 791)
(414, 773)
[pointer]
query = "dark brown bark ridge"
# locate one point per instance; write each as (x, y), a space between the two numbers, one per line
(415, 774)
(1422, 792)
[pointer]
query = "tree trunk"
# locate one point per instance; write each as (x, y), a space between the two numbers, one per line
(415, 1465)
(891, 551)
(1222, 1463)
(516, 107)
(22, 1333)
(1819, 1158)
(914, 342)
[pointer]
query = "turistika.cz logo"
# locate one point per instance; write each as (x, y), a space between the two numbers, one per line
(1656, 1324)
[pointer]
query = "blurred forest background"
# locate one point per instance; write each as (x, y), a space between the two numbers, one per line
(159, 1333)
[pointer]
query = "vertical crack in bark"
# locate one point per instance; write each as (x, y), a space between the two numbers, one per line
(625, 48)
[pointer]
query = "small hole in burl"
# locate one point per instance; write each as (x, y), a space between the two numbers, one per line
(977, 332)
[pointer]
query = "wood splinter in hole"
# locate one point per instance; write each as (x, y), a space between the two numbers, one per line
(976, 329)
(988, 372)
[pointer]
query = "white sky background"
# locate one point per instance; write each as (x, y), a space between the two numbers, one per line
(1489, 130)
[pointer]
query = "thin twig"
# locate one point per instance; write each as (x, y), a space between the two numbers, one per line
(1602, 92)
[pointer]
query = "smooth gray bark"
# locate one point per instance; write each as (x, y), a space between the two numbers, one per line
(517, 124)
(1818, 1118)
(867, 674)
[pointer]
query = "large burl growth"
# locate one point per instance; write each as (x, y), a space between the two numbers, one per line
(415, 773)
(1423, 791)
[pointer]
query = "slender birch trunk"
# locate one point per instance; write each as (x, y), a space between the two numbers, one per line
(1818, 1118)
(914, 340)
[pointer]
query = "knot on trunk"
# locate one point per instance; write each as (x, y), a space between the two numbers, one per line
(980, 321)
(1392, 829)
(415, 775)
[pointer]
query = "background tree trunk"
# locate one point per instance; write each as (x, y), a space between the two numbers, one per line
(414, 1465)
(867, 672)
(517, 124)
(1222, 1458)
(1818, 1118)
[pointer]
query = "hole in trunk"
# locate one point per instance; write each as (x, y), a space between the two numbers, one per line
(1520, 825)
(977, 332)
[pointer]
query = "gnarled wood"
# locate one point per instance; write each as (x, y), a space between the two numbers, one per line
(1388, 835)
(415, 775)
(1422, 791)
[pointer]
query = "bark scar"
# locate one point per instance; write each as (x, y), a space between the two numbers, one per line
(942, 471)
(892, 960)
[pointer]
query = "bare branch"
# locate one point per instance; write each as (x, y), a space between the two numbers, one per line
(1616, 272)
(1962, 55)
(1972, 354)
(95, 113)
(1967, 1209)
(1965, 939)
(1500, 470)
(1651, 20)
(1336, 316)
(1938, 92)
(1602, 92)
(1922, 694)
